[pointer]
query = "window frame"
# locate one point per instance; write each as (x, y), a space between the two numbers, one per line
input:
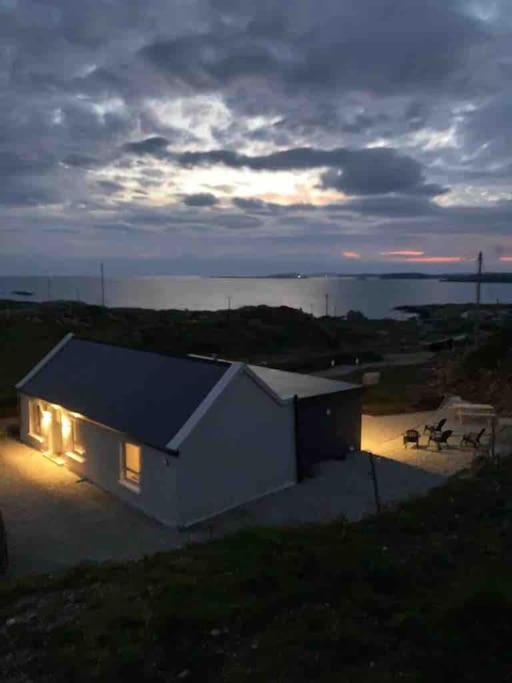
(77, 445)
(35, 407)
(131, 483)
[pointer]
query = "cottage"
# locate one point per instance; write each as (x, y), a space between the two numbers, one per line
(181, 438)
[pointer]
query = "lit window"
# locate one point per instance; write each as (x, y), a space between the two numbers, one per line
(35, 418)
(131, 464)
(76, 436)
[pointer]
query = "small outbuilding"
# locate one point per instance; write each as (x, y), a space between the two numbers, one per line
(182, 438)
(327, 415)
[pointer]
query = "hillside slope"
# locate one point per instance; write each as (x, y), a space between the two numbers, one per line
(421, 593)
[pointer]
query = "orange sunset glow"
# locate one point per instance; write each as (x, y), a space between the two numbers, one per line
(405, 252)
(351, 254)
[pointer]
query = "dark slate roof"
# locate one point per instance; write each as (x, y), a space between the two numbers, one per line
(148, 396)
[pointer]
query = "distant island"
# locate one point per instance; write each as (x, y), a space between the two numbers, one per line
(443, 277)
(472, 277)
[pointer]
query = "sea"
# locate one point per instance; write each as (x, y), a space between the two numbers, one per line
(372, 296)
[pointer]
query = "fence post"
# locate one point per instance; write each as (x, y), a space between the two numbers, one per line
(375, 481)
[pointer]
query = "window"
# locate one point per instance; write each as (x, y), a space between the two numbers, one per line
(35, 419)
(131, 464)
(72, 436)
(76, 436)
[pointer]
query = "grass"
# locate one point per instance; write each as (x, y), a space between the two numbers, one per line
(421, 593)
(401, 389)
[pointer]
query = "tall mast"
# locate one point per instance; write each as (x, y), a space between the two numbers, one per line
(478, 296)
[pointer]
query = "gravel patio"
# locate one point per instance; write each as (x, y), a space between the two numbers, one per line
(383, 435)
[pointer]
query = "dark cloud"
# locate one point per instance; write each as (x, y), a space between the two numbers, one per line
(155, 146)
(82, 161)
(355, 172)
(379, 171)
(110, 186)
(200, 199)
(377, 44)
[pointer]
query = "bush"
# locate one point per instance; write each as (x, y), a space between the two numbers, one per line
(492, 354)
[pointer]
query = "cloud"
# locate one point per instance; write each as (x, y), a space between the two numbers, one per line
(200, 199)
(435, 259)
(403, 252)
(107, 110)
(155, 146)
(82, 161)
(379, 171)
(355, 172)
(110, 186)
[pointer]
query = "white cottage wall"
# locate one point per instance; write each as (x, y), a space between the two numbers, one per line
(102, 465)
(242, 449)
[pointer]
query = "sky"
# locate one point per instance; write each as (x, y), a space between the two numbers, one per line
(239, 137)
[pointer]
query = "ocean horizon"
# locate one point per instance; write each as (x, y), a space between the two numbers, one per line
(372, 296)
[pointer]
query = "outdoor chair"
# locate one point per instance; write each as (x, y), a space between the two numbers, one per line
(432, 429)
(440, 438)
(472, 438)
(412, 436)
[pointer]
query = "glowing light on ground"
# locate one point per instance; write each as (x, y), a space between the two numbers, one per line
(506, 259)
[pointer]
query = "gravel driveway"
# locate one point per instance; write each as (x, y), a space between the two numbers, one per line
(54, 520)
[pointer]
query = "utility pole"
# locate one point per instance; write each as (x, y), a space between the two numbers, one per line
(478, 295)
(326, 304)
(49, 283)
(102, 270)
(373, 472)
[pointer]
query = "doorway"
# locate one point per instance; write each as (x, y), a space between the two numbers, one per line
(55, 441)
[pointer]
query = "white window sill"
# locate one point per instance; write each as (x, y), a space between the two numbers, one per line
(37, 437)
(134, 488)
(75, 456)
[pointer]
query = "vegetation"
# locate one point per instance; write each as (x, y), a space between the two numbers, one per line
(281, 337)
(421, 593)
(401, 389)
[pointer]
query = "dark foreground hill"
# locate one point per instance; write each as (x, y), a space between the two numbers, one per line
(421, 593)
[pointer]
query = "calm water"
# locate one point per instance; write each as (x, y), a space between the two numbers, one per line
(375, 298)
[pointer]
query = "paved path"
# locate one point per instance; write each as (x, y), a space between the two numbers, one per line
(389, 359)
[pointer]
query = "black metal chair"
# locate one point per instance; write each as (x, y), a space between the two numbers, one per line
(435, 428)
(440, 438)
(412, 436)
(472, 438)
